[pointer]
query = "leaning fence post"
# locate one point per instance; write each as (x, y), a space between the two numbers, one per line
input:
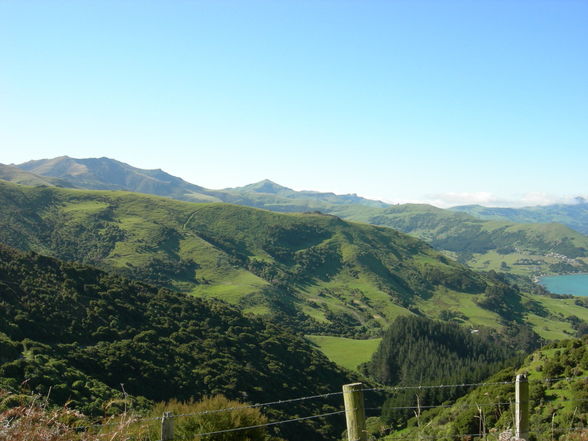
(522, 407)
(167, 426)
(354, 412)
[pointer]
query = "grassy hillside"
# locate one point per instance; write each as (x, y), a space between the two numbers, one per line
(527, 246)
(76, 334)
(312, 272)
(558, 400)
(574, 216)
(526, 249)
(502, 244)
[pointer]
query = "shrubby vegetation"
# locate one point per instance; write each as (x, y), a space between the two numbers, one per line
(202, 418)
(85, 337)
(31, 418)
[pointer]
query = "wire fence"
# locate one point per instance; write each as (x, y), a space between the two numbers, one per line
(339, 412)
(489, 435)
(419, 408)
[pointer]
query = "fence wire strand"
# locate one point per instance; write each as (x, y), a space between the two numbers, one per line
(443, 386)
(226, 409)
(330, 394)
(270, 424)
(494, 434)
(268, 404)
(435, 386)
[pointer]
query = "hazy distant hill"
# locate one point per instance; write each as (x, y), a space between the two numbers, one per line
(271, 196)
(18, 176)
(573, 215)
(485, 244)
(526, 249)
(313, 272)
(109, 174)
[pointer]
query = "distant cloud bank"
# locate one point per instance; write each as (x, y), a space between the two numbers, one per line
(445, 200)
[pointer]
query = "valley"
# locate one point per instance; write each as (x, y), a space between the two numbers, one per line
(293, 220)
(131, 275)
(312, 272)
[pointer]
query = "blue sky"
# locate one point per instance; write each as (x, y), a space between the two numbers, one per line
(441, 101)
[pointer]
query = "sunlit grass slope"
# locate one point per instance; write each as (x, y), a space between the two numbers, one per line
(314, 272)
(519, 241)
(346, 352)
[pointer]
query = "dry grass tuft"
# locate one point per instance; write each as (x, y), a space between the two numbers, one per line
(34, 420)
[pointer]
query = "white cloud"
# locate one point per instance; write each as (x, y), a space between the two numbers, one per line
(488, 199)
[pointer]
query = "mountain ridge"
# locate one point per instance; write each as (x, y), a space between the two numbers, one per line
(531, 249)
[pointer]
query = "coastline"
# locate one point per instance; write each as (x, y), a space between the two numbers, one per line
(574, 291)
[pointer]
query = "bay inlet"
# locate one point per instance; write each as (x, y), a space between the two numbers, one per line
(574, 284)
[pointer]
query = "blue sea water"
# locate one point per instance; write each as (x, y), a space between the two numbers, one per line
(575, 284)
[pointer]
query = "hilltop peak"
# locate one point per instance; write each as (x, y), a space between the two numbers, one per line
(265, 186)
(109, 174)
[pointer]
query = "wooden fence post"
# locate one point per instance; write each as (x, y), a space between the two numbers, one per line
(167, 426)
(354, 412)
(522, 407)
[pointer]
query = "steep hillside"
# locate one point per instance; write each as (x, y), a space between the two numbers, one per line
(76, 334)
(313, 272)
(574, 215)
(558, 387)
(519, 248)
(416, 349)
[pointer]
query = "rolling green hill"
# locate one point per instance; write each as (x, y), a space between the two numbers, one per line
(271, 196)
(525, 249)
(84, 337)
(501, 244)
(574, 216)
(315, 273)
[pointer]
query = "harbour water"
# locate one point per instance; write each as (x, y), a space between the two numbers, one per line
(575, 284)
